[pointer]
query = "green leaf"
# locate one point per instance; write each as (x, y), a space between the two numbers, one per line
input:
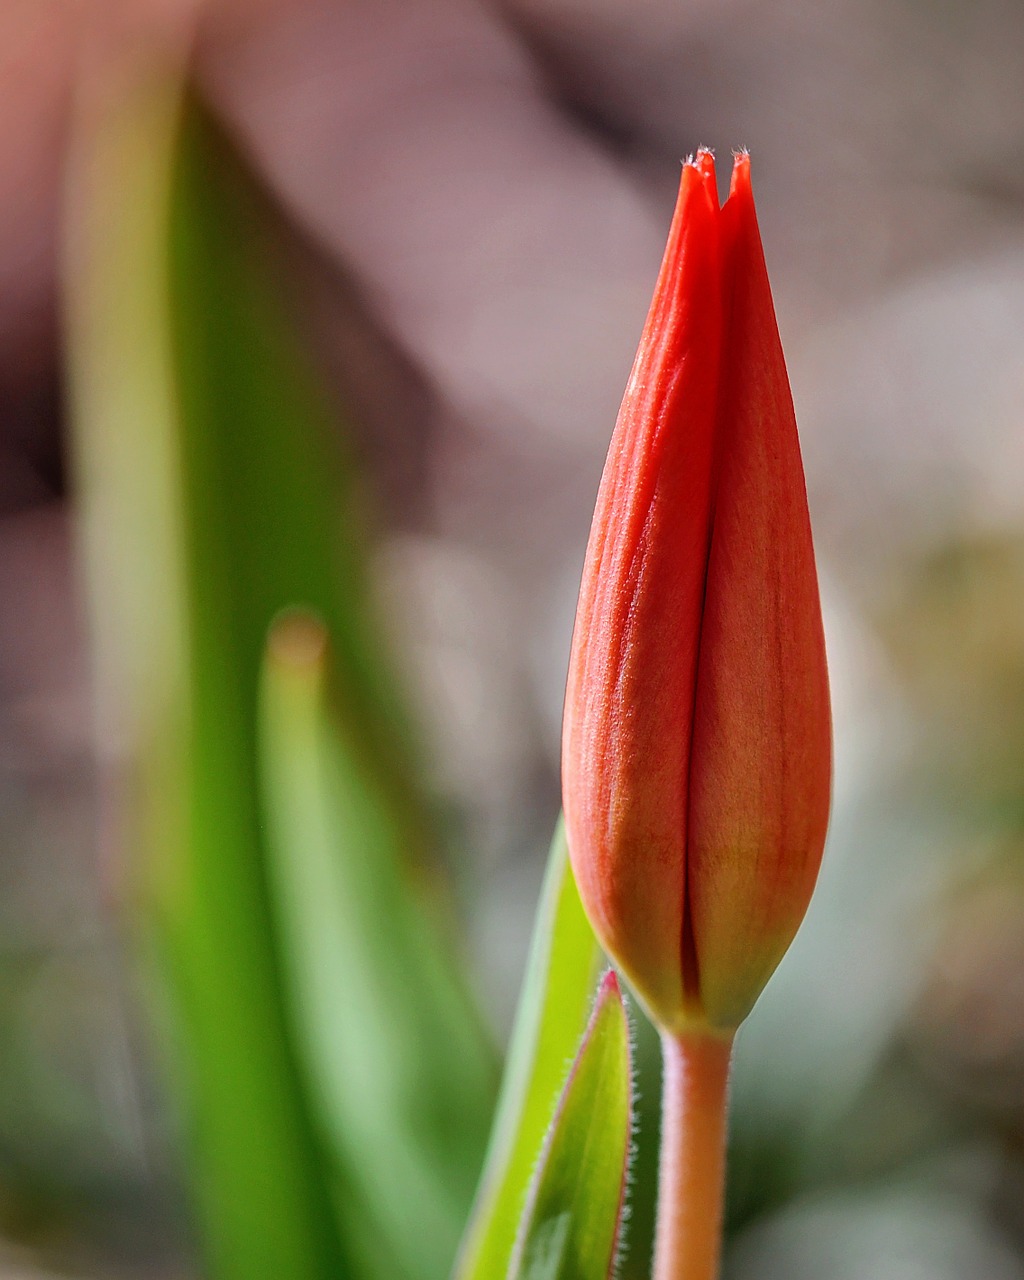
(213, 497)
(572, 1223)
(553, 1007)
(402, 1076)
(177, 680)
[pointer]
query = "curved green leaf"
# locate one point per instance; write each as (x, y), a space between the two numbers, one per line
(213, 496)
(400, 1072)
(556, 998)
(171, 569)
(572, 1223)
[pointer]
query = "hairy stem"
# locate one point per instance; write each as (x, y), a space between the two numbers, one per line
(692, 1174)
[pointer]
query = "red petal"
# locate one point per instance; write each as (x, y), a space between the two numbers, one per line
(630, 696)
(762, 738)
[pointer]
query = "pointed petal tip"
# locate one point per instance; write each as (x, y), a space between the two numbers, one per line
(702, 166)
(691, 172)
(697, 182)
(740, 172)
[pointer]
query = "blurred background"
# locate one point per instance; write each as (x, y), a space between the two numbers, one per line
(470, 201)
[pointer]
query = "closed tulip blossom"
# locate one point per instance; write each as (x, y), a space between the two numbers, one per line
(697, 743)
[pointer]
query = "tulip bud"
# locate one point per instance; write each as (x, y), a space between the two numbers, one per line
(697, 743)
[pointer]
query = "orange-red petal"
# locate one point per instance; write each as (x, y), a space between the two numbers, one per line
(629, 702)
(761, 764)
(697, 741)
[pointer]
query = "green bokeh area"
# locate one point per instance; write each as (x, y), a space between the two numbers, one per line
(275, 1015)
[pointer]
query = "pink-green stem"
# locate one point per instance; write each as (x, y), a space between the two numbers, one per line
(691, 1185)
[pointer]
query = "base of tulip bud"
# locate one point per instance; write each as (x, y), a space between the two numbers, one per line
(691, 1185)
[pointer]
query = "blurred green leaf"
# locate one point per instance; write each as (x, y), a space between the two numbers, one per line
(572, 1223)
(212, 498)
(173, 675)
(403, 1077)
(557, 991)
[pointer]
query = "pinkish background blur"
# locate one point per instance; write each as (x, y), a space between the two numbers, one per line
(478, 195)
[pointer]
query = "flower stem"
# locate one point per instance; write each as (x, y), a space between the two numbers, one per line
(692, 1174)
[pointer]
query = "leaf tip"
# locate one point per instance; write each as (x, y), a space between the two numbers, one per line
(298, 639)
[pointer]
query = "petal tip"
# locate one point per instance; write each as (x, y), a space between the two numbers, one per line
(699, 175)
(740, 171)
(704, 163)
